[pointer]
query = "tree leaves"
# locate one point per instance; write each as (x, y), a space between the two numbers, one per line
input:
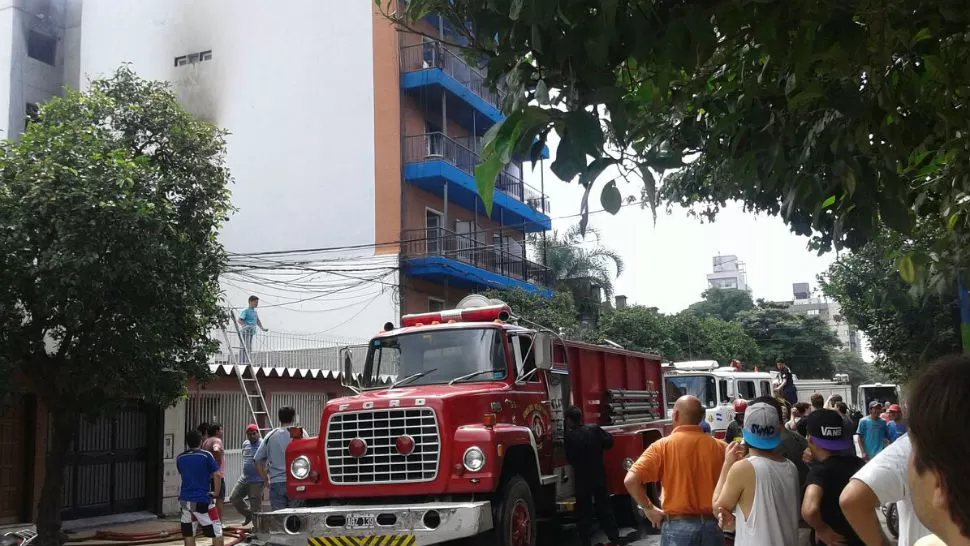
(772, 103)
(903, 331)
(610, 198)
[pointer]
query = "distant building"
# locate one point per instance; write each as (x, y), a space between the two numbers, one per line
(829, 311)
(729, 272)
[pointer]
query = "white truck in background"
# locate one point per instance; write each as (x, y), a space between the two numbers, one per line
(716, 386)
(826, 387)
(883, 392)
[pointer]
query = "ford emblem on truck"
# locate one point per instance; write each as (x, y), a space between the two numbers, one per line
(370, 404)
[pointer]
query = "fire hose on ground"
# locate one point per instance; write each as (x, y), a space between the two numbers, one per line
(114, 538)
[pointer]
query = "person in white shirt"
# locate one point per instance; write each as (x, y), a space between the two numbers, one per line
(882, 481)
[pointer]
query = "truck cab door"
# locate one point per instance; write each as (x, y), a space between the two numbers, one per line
(533, 407)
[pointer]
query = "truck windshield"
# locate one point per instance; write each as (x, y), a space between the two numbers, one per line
(701, 386)
(441, 356)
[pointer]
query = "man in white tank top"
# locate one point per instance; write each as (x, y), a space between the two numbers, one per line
(759, 495)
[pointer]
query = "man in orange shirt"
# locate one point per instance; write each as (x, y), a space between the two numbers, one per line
(687, 464)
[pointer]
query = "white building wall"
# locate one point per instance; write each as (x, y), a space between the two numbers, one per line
(27, 80)
(293, 84)
(174, 429)
(8, 63)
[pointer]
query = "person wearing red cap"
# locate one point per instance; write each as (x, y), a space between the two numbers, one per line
(735, 427)
(247, 495)
(895, 423)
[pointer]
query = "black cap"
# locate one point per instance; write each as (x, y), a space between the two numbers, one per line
(826, 429)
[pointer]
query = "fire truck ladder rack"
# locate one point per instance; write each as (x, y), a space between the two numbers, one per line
(626, 406)
(246, 373)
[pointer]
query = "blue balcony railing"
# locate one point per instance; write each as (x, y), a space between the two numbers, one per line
(439, 147)
(488, 252)
(434, 55)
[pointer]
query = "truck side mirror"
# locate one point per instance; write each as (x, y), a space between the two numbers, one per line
(542, 347)
(347, 378)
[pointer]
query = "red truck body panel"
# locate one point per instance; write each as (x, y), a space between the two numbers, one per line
(596, 369)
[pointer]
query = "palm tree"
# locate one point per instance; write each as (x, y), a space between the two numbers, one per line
(583, 269)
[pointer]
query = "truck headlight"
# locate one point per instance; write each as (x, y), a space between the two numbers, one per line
(627, 464)
(474, 459)
(300, 467)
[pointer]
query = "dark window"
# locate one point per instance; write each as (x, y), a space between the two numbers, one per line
(183, 60)
(746, 390)
(41, 47)
(31, 113)
(435, 305)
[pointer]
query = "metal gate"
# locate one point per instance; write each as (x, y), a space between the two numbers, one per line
(13, 465)
(308, 406)
(109, 464)
(229, 409)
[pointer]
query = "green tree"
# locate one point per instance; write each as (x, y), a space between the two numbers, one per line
(804, 342)
(580, 265)
(710, 338)
(684, 336)
(110, 206)
(722, 303)
(638, 328)
(836, 116)
(905, 331)
(556, 312)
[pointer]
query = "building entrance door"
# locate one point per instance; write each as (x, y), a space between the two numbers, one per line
(111, 464)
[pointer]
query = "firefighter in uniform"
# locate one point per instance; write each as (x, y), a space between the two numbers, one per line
(584, 452)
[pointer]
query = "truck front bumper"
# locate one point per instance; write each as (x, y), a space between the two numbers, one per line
(372, 525)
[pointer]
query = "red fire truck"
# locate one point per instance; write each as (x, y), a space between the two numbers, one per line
(468, 440)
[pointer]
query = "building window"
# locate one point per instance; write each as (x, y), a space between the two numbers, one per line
(813, 311)
(41, 47)
(31, 113)
(193, 58)
(435, 305)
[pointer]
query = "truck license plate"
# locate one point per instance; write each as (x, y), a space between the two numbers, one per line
(362, 521)
(379, 540)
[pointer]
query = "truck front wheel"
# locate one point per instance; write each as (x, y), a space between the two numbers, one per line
(515, 521)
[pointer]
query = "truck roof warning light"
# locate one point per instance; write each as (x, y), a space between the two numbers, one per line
(490, 313)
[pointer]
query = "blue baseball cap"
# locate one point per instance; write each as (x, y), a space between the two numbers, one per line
(762, 427)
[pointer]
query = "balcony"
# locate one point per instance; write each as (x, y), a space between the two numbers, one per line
(432, 159)
(430, 66)
(472, 260)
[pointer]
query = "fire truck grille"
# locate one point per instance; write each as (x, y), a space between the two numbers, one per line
(382, 462)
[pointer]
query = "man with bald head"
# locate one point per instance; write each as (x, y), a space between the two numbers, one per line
(687, 463)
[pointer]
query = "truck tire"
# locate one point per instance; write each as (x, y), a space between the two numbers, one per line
(515, 514)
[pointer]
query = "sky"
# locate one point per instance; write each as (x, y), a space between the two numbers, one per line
(666, 265)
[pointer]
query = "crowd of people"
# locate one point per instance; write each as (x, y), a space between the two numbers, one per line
(793, 474)
(202, 494)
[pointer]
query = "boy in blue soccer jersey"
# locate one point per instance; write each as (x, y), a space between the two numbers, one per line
(197, 504)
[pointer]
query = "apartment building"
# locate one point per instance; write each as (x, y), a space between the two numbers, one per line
(829, 311)
(728, 272)
(450, 245)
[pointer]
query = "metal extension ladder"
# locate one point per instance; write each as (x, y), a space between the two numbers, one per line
(246, 374)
